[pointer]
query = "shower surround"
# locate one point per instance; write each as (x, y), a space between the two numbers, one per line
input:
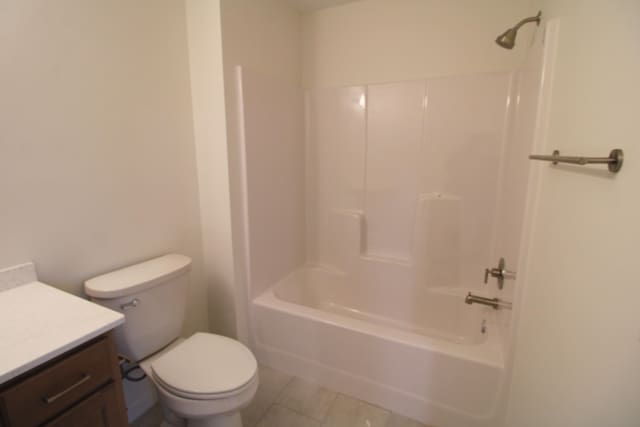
(386, 217)
(404, 177)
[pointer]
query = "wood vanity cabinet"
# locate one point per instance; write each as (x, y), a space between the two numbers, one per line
(80, 388)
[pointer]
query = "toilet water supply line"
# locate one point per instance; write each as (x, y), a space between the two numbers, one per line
(125, 371)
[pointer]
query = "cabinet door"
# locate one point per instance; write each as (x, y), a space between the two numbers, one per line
(101, 409)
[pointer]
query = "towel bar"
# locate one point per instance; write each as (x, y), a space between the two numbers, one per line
(613, 162)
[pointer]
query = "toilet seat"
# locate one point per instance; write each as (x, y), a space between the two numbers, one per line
(202, 396)
(206, 367)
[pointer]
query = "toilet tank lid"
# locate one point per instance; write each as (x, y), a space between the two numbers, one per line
(137, 277)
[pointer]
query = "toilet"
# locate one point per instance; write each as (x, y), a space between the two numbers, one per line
(203, 380)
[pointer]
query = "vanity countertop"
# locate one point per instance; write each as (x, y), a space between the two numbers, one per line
(39, 322)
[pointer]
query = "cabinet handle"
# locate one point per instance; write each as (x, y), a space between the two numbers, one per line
(51, 399)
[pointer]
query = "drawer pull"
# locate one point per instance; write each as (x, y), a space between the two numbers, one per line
(51, 399)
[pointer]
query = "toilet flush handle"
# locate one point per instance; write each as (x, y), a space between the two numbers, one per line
(131, 304)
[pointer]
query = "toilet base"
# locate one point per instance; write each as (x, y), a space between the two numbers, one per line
(232, 419)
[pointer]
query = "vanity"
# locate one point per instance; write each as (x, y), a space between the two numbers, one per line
(58, 362)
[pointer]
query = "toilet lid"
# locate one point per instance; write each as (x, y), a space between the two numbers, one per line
(206, 364)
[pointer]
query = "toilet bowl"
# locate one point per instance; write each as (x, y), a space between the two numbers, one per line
(203, 380)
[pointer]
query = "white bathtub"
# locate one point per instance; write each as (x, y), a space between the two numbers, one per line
(418, 352)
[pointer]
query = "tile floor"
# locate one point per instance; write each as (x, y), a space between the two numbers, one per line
(286, 401)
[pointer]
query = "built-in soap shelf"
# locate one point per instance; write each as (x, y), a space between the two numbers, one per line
(437, 220)
(436, 240)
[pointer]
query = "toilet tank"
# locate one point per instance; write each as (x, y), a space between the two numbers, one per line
(152, 296)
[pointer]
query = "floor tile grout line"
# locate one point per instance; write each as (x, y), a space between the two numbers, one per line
(331, 405)
(389, 413)
(264, 414)
(281, 392)
(275, 399)
(319, 421)
(295, 411)
(336, 394)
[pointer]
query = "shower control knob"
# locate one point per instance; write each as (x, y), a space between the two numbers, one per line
(499, 273)
(493, 272)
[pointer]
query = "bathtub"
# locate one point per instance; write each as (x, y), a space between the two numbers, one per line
(420, 352)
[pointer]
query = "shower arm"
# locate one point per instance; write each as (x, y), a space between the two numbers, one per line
(535, 19)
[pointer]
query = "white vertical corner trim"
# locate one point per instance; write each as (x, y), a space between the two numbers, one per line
(550, 40)
(539, 142)
(243, 301)
(17, 275)
(309, 182)
(204, 36)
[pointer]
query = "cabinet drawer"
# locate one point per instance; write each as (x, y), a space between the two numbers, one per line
(98, 410)
(51, 391)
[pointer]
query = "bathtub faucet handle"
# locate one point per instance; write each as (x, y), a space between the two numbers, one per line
(499, 273)
(487, 272)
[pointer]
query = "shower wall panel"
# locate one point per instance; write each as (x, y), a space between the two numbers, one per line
(335, 164)
(463, 141)
(414, 168)
(511, 209)
(394, 133)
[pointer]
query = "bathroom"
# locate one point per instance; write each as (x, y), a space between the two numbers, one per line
(340, 176)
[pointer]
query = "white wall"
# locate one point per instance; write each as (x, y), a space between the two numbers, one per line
(97, 164)
(578, 347)
(374, 41)
(207, 88)
(273, 117)
(262, 36)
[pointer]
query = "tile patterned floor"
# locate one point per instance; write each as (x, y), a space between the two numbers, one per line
(286, 401)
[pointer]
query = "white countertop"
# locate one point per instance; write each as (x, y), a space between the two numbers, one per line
(39, 322)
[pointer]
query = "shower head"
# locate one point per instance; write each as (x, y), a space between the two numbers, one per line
(507, 39)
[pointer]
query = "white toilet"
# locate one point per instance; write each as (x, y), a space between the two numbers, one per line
(204, 380)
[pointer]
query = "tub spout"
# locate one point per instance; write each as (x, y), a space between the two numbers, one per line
(491, 302)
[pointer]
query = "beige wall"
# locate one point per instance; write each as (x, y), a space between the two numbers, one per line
(262, 36)
(273, 141)
(207, 88)
(374, 41)
(97, 164)
(578, 348)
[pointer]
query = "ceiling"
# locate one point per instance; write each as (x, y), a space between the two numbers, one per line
(311, 5)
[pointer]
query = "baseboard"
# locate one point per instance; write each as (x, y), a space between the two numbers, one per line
(139, 397)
